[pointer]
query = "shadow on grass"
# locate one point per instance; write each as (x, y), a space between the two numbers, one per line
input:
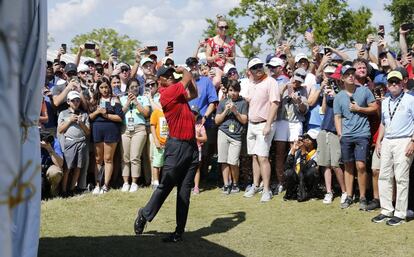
(149, 244)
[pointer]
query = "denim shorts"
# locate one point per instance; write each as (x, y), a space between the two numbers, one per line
(354, 148)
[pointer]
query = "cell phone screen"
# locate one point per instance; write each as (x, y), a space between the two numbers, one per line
(89, 46)
(64, 47)
(170, 43)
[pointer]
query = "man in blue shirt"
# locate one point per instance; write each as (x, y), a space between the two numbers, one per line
(352, 107)
(206, 102)
(395, 144)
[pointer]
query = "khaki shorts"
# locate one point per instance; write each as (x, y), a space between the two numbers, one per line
(228, 149)
(329, 149)
(257, 143)
(287, 131)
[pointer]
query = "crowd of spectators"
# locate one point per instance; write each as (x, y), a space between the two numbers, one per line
(290, 121)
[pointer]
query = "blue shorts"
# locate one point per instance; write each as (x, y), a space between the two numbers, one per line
(354, 148)
(107, 132)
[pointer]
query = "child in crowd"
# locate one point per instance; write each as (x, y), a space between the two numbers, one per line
(201, 137)
(73, 124)
(231, 118)
(159, 132)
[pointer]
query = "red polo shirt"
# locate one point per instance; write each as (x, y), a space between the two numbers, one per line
(177, 112)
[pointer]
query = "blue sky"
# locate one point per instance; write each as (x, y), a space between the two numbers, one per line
(154, 22)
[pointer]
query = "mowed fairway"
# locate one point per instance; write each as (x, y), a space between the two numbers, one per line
(218, 225)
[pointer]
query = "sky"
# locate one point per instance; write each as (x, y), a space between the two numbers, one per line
(154, 22)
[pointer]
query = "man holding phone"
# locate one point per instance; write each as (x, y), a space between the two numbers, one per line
(351, 108)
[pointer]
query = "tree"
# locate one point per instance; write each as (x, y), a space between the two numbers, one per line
(107, 39)
(402, 11)
(273, 21)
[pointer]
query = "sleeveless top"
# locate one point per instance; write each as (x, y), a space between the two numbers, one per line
(227, 50)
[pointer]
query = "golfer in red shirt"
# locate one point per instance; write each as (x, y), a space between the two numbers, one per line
(181, 152)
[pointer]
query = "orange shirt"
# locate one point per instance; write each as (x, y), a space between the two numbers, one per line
(161, 127)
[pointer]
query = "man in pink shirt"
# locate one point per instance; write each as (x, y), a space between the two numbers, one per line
(263, 97)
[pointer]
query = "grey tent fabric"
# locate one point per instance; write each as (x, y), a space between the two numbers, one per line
(23, 41)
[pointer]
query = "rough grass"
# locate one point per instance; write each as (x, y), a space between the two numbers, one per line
(218, 225)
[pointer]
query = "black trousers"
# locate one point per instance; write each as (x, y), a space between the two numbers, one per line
(180, 165)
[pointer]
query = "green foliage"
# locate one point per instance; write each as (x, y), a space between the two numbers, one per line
(107, 39)
(273, 21)
(402, 11)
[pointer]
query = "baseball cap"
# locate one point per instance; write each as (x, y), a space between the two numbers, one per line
(89, 62)
(166, 58)
(299, 75)
(163, 70)
(254, 62)
(275, 61)
(311, 134)
(228, 67)
(83, 67)
(191, 60)
(346, 68)
(71, 67)
(300, 56)
(269, 57)
(145, 60)
(73, 95)
(394, 74)
(329, 69)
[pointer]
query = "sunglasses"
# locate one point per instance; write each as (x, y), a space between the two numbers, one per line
(150, 84)
(84, 72)
(223, 27)
(257, 67)
(394, 81)
(75, 100)
(124, 69)
(231, 73)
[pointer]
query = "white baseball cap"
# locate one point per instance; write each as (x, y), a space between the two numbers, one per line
(83, 67)
(73, 95)
(300, 56)
(276, 61)
(254, 62)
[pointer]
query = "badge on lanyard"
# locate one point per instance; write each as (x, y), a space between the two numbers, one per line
(131, 124)
(232, 127)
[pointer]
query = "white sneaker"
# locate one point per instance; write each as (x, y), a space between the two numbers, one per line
(328, 198)
(103, 190)
(251, 192)
(343, 197)
(280, 188)
(125, 187)
(266, 196)
(133, 188)
(96, 190)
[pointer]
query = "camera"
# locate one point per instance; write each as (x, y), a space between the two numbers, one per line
(47, 137)
(89, 46)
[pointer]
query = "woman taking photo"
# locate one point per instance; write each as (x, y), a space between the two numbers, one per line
(221, 49)
(106, 116)
(136, 109)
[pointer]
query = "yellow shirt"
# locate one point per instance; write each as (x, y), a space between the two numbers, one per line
(161, 127)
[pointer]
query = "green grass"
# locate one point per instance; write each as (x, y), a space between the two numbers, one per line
(218, 225)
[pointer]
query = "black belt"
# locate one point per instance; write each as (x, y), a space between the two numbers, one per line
(193, 140)
(258, 122)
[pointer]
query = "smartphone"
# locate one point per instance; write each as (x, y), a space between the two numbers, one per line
(326, 50)
(407, 26)
(170, 44)
(89, 46)
(221, 49)
(114, 52)
(381, 34)
(56, 61)
(64, 46)
(351, 99)
(152, 48)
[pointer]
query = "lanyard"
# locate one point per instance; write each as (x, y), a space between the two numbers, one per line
(395, 108)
